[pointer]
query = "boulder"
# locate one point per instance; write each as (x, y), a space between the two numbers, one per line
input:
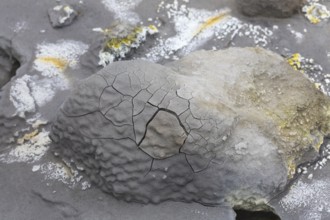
(216, 127)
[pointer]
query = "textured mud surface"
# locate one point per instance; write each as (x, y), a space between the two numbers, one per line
(149, 133)
(51, 61)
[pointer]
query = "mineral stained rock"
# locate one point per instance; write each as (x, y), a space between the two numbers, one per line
(271, 8)
(120, 39)
(62, 15)
(215, 127)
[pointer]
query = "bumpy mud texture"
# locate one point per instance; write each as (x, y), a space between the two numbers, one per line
(215, 127)
(271, 8)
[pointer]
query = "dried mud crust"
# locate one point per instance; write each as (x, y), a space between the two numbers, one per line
(213, 128)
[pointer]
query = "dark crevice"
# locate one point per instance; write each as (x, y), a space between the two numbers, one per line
(194, 117)
(166, 94)
(9, 63)
(130, 82)
(165, 110)
(109, 108)
(154, 115)
(115, 77)
(145, 132)
(138, 112)
(150, 169)
(113, 85)
(132, 117)
(176, 93)
(120, 92)
(179, 120)
(255, 215)
(100, 97)
(172, 113)
(100, 75)
(114, 124)
(208, 163)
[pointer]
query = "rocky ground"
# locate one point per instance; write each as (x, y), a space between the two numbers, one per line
(46, 49)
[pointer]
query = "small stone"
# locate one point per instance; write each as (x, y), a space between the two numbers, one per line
(61, 15)
(35, 168)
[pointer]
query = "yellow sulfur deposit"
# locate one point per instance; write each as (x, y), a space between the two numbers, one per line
(295, 61)
(305, 66)
(56, 62)
(316, 13)
(212, 21)
(120, 39)
(27, 136)
(130, 39)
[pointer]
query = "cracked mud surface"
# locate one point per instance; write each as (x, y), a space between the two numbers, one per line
(52, 61)
(238, 120)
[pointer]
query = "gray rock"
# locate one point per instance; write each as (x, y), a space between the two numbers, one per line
(271, 8)
(62, 15)
(240, 118)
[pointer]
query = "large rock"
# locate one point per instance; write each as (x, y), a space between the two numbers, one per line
(272, 8)
(215, 127)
